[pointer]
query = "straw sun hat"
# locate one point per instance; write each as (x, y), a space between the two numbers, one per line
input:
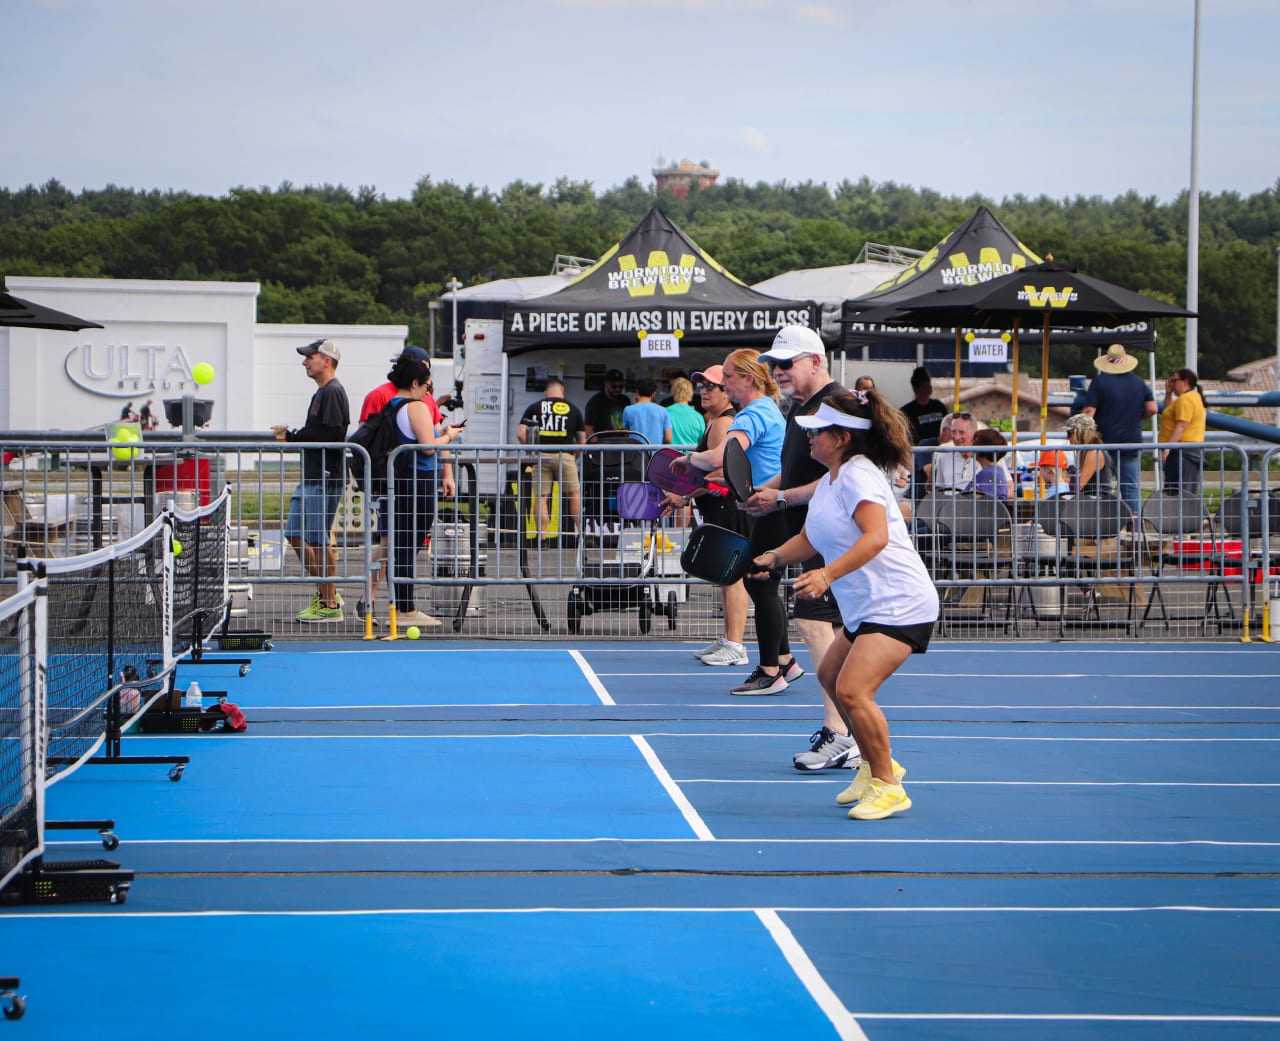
(1117, 360)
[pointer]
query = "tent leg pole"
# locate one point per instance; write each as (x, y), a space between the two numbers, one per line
(1044, 382)
(502, 402)
(956, 405)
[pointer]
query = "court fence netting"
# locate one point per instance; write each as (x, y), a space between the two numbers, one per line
(90, 647)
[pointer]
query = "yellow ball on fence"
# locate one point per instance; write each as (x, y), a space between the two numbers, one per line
(413, 632)
(203, 373)
(176, 546)
(125, 436)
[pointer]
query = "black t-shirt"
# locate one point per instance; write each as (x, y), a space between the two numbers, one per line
(553, 421)
(926, 420)
(328, 417)
(798, 466)
(605, 413)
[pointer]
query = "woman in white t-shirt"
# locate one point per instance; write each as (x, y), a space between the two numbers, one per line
(887, 601)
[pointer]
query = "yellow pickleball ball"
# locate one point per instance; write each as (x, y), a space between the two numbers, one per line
(176, 546)
(413, 632)
(124, 436)
(203, 373)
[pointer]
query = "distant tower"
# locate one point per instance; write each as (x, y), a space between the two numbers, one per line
(678, 178)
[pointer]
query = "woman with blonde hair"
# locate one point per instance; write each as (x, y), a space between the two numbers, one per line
(887, 601)
(1092, 467)
(687, 424)
(759, 428)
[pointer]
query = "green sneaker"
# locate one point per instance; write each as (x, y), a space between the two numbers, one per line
(317, 612)
(862, 779)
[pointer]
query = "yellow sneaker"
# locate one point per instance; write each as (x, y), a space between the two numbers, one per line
(880, 801)
(858, 786)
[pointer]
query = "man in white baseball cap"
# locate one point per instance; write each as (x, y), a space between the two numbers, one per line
(797, 361)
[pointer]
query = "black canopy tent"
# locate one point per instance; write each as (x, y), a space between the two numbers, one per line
(976, 252)
(655, 280)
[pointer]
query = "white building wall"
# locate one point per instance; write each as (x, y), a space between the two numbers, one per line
(283, 389)
(154, 331)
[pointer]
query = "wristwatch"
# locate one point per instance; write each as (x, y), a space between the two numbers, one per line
(782, 500)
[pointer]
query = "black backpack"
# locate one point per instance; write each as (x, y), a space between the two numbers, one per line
(379, 436)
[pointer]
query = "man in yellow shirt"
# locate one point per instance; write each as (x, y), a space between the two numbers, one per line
(1183, 420)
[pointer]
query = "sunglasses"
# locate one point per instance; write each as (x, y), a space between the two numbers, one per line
(702, 385)
(782, 366)
(813, 432)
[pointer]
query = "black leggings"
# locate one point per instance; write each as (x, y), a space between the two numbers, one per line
(415, 513)
(769, 532)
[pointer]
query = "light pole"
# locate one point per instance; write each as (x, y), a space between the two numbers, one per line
(1193, 206)
(453, 285)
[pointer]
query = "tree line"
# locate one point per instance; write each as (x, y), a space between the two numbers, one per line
(333, 254)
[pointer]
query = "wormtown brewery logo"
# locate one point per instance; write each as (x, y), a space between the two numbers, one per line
(126, 370)
(1048, 296)
(674, 279)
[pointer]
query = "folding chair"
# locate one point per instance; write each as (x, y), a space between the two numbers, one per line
(1085, 523)
(1168, 521)
(956, 536)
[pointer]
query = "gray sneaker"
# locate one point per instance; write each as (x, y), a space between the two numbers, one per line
(710, 648)
(760, 683)
(727, 654)
(828, 751)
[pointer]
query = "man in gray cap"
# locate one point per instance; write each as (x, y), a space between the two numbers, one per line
(1119, 400)
(798, 362)
(315, 501)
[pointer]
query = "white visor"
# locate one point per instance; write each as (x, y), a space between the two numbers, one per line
(826, 416)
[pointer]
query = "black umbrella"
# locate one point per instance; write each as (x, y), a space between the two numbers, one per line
(1054, 293)
(23, 314)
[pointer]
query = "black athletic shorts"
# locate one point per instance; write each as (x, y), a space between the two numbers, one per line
(914, 636)
(815, 609)
(722, 510)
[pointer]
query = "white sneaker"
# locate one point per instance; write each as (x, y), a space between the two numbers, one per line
(728, 654)
(419, 618)
(710, 648)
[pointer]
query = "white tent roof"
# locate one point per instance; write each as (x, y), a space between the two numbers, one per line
(828, 285)
(514, 288)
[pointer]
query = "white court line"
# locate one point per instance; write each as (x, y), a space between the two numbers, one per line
(242, 738)
(592, 678)
(1000, 650)
(832, 1007)
(752, 707)
(768, 841)
(1029, 784)
(382, 912)
(1069, 1017)
(690, 815)
(1021, 675)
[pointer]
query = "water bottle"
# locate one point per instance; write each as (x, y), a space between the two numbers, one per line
(194, 697)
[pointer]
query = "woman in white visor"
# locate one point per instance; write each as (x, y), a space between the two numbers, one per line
(887, 601)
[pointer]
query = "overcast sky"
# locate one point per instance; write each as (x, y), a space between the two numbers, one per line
(991, 96)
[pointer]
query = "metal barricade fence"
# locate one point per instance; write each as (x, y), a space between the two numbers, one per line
(507, 550)
(1091, 541)
(66, 497)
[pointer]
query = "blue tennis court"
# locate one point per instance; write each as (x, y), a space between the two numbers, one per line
(547, 840)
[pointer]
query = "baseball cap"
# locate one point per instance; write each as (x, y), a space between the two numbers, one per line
(711, 374)
(614, 376)
(1057, 459)
(326, 347)
(793, 341)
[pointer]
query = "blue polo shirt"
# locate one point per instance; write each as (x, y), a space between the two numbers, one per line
(1119, 399)
(765, 429)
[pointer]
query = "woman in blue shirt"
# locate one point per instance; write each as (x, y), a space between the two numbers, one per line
(760, 428)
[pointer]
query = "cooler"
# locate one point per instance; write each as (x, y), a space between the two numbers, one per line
(194, 475)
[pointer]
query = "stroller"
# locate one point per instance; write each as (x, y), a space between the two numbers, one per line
(618, 547)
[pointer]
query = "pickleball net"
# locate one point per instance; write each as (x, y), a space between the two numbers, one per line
(21, 760)
(201, 593)
(109, 642)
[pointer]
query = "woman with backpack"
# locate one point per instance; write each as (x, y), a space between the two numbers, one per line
(415, 476)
